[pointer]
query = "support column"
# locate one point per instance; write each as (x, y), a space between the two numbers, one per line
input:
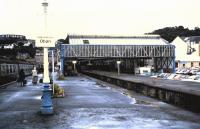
(133, 66)
(155, 64)
(161, 64)
(174, 62)
(174, 65)
(62, 60)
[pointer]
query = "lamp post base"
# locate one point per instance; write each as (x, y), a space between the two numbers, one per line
(46, 110)
(47, 106)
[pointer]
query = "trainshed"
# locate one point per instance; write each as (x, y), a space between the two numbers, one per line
(102, 52)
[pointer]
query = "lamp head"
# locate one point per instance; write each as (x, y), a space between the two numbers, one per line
(74, 61)
(119, 62)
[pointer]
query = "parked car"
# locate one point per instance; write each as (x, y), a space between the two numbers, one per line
(171, 76)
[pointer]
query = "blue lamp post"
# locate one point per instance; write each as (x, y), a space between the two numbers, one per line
(47, 106)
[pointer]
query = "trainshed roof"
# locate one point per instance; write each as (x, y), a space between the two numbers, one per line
(116, 40)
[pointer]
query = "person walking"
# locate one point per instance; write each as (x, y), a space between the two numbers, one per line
(21, 77)
(34, 76)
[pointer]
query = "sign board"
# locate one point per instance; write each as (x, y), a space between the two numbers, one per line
(43, 41)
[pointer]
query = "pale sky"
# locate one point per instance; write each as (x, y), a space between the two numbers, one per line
(119, 17)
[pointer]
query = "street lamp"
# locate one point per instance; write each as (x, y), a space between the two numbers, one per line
(46, 106)
(74, 62)
(118, 66)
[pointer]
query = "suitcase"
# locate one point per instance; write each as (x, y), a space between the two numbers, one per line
(35, 79)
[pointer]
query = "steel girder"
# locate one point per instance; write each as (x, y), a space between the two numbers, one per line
(119, 51)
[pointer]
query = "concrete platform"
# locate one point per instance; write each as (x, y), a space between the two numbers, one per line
(182, 93)
(89, 104)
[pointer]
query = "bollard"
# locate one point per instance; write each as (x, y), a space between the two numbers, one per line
(47, 106)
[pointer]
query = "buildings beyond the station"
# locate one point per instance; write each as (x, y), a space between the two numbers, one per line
(187, 51)
(9, 41)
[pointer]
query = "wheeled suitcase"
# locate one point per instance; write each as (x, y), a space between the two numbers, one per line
(35, 79)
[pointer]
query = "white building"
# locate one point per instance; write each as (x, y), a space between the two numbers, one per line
(187, 51)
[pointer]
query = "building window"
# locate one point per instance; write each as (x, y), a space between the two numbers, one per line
(191, 64)
(85, 41)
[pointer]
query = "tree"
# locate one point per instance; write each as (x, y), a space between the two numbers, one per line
(170, 33)
(61, 40)
(19, 47)
(11, 40)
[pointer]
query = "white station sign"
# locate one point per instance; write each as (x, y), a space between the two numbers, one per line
(45, 41)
